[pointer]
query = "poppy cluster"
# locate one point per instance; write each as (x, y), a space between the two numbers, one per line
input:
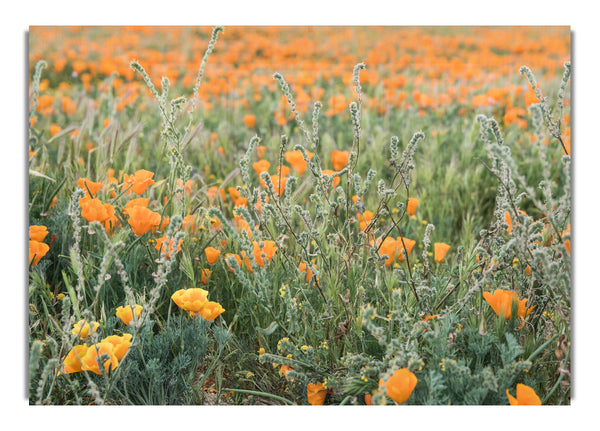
(195, 301)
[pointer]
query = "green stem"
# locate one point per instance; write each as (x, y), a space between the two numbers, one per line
(260, 394)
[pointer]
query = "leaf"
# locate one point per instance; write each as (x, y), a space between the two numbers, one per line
(269, 330)
(39, 174)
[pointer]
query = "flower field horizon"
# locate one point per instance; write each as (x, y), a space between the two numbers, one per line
(299, 215)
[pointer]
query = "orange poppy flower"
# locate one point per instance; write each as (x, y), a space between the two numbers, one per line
(365, 218)
(120, 344)
(55, 130)
(161, 225)
(247, 262)
(125, 313)
(411, 207)
(441, 250)
(502, 302)
(306, 268)
(278, 183)
(206, 273)
(400, 385)
(508, 220)
(214, 192)
(37, 250)
(142, 219)
(268, 249)
(250, 121)
(111, 222)
(209, 312)
(339, 159)
(388, 247)
(90, 186)
(260, 151)
(37, 232)
(95, 352)
(138, 202)
(261, 166)
(190, 223)
(84, 328)
(526, 396)
(138, 182)
(95, 210)
(316, 393)
(72, 362)
(193, 299)
(296, 160)
(212, 254)
(401, 243)
(284, 370)
(283, 170)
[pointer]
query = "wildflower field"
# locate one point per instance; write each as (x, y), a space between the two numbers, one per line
(299, 215)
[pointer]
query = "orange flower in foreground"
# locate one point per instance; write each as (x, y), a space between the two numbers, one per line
(142, 219)
(95, 210)
(161, 225)
(526, 396)
(72, 362)
(400, 385)
(194, 299)
(120, 344)
(212, 254)
(250, 121)
(95, 352)
(139, 202)
(339, 159)
(411, 207)
(89, 186)
(502, 302)
(138, 182)
(37, 250)
(441, 250)
(209, 312)
(401, 243)
(316, 394)
(37, 232)
(125, 313)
